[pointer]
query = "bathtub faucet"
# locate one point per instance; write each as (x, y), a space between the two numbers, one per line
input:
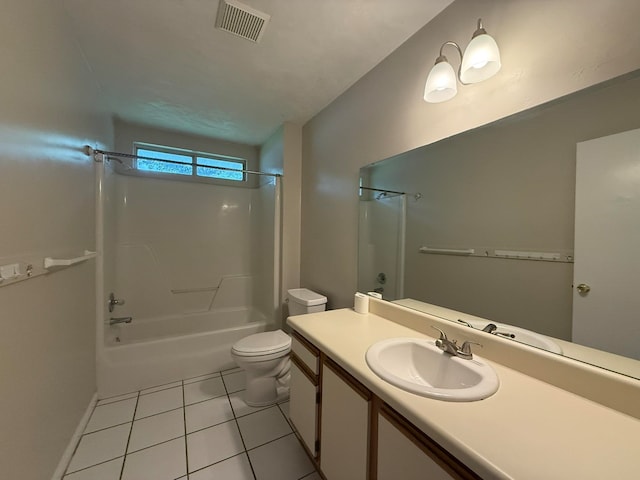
(114, 321)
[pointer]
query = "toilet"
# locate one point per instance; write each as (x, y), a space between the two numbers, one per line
(302, 301)
(265, 356)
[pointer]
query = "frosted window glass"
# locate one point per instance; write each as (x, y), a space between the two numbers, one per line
(162, 167)
(216, 172)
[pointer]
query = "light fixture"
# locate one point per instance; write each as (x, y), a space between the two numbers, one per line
(481, 60)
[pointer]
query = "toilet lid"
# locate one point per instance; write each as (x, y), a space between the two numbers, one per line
(263, 343)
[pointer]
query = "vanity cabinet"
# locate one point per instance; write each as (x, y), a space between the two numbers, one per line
(351, 434)
(403, 451)
(305, 388)
(344, 430)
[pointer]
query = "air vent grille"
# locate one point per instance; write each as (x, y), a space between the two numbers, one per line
(241, 20)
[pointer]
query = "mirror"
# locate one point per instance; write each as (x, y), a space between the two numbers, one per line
(483, 222)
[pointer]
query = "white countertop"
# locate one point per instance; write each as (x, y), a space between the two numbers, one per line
(527, 430)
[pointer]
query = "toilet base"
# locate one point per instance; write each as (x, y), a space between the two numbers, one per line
(267, 382)
(262, 392)
(282, 395)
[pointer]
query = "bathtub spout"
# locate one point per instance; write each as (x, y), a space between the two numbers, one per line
(116, 320)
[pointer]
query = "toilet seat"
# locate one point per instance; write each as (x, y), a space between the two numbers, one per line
(262, 344)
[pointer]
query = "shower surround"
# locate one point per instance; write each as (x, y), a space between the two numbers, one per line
(196, 265)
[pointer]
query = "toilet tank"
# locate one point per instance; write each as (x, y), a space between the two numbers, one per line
(303, 301)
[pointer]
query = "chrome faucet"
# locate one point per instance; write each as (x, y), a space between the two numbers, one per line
(493, 328)
(116, 320)
(490, 328)
(451, 346)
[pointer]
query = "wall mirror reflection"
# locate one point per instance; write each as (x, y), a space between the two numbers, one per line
(531, 223)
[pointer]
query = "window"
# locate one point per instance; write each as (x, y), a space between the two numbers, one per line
(218, 173)
(187, 163)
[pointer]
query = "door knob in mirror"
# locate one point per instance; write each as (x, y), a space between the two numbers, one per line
(583, 288)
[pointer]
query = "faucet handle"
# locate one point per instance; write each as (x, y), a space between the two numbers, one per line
(504, 334)
(113, 301)
(443, 336)
(466, 347)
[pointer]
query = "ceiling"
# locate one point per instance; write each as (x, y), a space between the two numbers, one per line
(162, 62)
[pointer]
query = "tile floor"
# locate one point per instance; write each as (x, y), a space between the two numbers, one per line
(196, 429)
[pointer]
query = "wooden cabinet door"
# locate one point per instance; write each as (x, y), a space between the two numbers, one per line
(344, 430)
(399, 457)
(401, 451)
(303, 408)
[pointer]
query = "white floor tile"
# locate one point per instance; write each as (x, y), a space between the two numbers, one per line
(111, 414)
(203, 390)
(201, 377)
(99, 447)
(213, 444)
(104, 471)
(117, 398)
(240, 408)
(161, 387)
(159, 402)
(235, 381)
(208, 413)
(156, 429)
(166, 461)
(283, 459)
(235, 468)
(262, 427)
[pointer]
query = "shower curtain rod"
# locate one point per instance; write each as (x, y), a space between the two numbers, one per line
(382, 190)
(383, 193)
(95, 152)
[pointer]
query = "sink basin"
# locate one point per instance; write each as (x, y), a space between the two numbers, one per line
(528, 337)
(418, 366)
(518, 334)
(521, 335)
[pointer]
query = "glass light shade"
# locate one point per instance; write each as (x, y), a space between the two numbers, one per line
(481, 60)
(441, 83)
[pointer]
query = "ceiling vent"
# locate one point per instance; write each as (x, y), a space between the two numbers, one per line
(241, 20)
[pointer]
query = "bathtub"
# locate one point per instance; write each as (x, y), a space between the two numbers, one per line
(152, 352)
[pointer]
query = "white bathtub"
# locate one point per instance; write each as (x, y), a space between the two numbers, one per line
(151, 352)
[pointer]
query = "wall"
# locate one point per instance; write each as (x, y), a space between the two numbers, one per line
(544, 56)
(282, 153)
(47, 347)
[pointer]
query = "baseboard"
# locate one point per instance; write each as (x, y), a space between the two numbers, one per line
(68, 453)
